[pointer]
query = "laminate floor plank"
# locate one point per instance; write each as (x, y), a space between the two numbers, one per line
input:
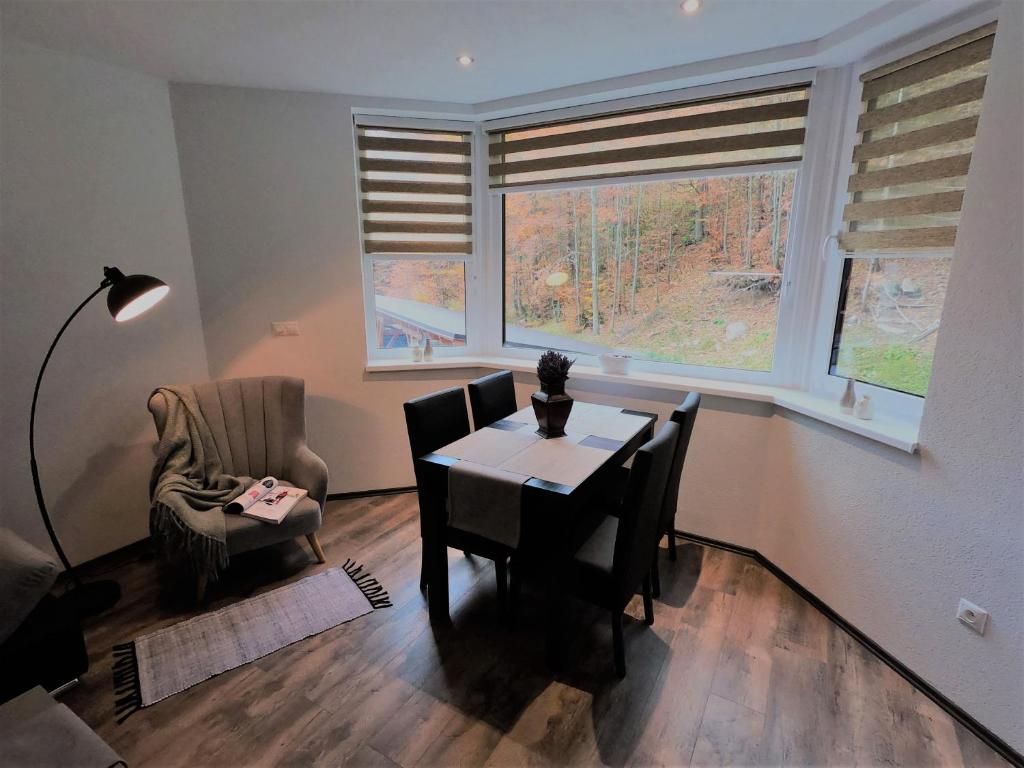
(737, 670)
(730, 734)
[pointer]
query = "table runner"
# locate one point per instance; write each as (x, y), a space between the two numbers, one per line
(490, 446)
(591, 419)
(485, 501)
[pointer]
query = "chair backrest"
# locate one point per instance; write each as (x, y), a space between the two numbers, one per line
(257, 423)
(492, 397)
(639, 523)
(435, 420)
(684, 416)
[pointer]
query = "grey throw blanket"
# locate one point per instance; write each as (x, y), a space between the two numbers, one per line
(189, 487)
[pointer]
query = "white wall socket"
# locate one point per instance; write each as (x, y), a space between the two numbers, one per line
(285, 327)
(974, 617)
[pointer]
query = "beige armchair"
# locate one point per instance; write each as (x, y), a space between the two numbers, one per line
(259, 426)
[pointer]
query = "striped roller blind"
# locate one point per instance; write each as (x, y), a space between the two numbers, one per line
(917, 125)
(738, 130)
(416, 190)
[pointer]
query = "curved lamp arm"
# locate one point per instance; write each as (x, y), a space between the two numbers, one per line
(32, 433)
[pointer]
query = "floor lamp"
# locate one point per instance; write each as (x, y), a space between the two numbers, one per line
(129, 297)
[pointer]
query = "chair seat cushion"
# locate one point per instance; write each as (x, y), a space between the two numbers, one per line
(245, 533)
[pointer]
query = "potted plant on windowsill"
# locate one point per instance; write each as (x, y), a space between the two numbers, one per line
(551, 405)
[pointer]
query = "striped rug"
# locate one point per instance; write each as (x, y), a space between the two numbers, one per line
(167, 661)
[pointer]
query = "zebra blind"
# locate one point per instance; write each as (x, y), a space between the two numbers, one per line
(416, 190)
(917, 125)
(738, 130)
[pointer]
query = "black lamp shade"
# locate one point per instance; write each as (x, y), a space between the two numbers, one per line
(132, 295)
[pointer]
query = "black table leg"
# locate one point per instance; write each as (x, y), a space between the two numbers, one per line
(437, 557)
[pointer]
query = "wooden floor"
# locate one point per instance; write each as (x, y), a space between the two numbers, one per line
(737, 670)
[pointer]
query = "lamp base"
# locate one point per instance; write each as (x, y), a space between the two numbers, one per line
(94, 597)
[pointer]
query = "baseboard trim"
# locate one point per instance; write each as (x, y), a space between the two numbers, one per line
(373, 492)
(956, 712)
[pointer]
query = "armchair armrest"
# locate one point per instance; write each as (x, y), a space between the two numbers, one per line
(309, 471)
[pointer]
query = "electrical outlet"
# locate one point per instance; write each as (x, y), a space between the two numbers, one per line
(285, 327)
(974, 617)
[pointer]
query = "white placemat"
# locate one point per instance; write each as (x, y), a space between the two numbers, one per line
(610, 423)
(524, 416)
(557, 460)
(489, 446)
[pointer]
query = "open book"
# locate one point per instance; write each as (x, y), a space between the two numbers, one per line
(266, 500)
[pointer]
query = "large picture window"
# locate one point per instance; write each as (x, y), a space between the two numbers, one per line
(916, 134)
(685, 271)
(665, 235)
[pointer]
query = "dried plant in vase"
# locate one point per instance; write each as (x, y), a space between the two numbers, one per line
(551, 405)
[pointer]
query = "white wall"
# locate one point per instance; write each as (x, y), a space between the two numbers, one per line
(893, 541)
(90, 178)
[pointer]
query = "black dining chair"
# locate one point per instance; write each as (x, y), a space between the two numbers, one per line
(616, 560)
(492, 397)
(433, 421)
(684, 415)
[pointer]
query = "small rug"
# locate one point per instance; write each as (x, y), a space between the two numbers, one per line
(162, 663)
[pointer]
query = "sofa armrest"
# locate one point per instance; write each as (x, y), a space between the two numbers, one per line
(26, 575)
(309, 471)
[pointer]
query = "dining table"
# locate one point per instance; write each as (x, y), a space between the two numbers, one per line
(564, 480)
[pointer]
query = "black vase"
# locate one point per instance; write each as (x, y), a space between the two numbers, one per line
(552, 408)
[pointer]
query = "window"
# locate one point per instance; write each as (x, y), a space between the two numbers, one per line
(416, 214)
(683, 271)
(916, 134)
(669, 269)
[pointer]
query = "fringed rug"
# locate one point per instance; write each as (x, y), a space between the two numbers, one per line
(162, 663)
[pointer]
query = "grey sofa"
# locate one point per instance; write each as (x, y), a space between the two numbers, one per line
(38, 732)
(41, 641)
(259, 426)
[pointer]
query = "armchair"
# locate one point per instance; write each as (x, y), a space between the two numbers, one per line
(259, 428)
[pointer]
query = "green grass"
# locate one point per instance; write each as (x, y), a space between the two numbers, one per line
(895, 366)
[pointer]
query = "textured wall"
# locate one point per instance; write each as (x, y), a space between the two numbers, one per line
(90, 178)
(893, 541)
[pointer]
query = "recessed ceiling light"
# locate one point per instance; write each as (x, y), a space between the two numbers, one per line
(691, 6)
(465, 60)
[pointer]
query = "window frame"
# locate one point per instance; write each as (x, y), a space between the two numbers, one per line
(468, 260)
(493, 289)
(820, 380)
(811, 283)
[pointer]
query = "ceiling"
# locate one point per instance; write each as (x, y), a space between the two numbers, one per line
(407, 49)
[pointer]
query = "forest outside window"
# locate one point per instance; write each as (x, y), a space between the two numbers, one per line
(416, 217)
(684, 271)
(916, 134)
(666, 235)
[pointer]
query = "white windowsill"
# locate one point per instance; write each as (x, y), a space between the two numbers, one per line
(902, 435)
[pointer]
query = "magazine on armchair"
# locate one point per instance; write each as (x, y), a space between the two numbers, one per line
(267, 500)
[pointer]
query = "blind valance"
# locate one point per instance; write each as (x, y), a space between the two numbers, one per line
(917, 125)
(738, 130)
(415, 190)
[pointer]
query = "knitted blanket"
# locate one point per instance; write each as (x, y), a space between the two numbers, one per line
(189, 487)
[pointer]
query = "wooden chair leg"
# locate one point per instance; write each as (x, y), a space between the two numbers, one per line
(200, 588)
(423, 574)
(672, 542)
(501, 575)
(648, 601)
(617, 644)
(314, 542)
